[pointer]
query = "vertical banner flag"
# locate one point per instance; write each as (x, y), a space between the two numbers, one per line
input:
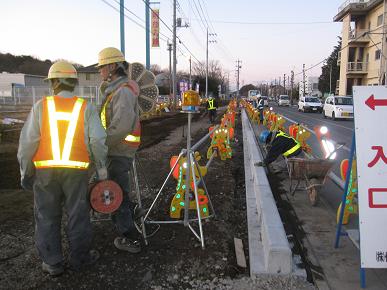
(370, 109)
(155, 28)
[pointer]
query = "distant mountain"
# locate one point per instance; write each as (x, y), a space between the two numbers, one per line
(25, 64)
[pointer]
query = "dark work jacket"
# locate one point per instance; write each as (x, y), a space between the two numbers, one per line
(215, 104)
(279, 146)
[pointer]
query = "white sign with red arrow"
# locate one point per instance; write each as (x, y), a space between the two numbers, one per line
(372, 102)
(370, 115)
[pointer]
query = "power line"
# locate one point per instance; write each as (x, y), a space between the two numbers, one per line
(200, 16)
(134, 21)
(170, 29)
(269, 23)
(208, 16)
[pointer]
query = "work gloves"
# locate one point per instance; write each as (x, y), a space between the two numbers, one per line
(102, 174)
(27, 182)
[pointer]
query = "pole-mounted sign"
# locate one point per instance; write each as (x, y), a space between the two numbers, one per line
(370, 109)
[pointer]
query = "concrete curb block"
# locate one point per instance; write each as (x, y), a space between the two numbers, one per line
(270, 252)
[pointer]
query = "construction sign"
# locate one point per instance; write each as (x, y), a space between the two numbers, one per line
(370, 111)
(155, 28)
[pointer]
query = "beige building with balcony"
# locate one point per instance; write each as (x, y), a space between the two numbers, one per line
(363, 49)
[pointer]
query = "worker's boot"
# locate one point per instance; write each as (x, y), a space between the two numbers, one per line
(128, 245)
(53, 270)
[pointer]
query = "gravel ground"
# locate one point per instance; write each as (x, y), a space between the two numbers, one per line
(173, 259)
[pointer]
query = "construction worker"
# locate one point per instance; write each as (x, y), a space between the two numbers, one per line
(120, 117)
(61, 137)
(212, 105)
(281, 143)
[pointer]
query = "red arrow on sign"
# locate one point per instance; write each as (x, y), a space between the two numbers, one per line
(372, 103)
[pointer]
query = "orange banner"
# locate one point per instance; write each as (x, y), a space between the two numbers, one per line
(155, 28)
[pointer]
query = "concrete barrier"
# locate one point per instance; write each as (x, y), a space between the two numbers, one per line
(269, 249)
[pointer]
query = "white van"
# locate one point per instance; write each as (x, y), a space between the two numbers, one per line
(338, 107)
(283, 100)
(310, 104)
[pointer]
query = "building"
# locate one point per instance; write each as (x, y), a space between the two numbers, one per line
(89, 76)
(311, 87)
(9, 82)
(363, 48)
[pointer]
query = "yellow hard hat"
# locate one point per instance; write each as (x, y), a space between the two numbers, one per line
(62, 70)
(110, 55)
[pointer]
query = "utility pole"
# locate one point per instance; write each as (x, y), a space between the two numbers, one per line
(207, 66)
(170, 67)
(303, 79)
(122, 25)
(190, 74)
(238, 67)
(174, 56)
(287, 90)
(284, 84)
(208, 41)
(147, 35)
(291, 86)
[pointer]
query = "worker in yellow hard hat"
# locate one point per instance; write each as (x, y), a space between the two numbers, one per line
(120, 116)
(61, 137)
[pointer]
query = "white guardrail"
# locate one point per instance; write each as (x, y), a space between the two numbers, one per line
(269, 248)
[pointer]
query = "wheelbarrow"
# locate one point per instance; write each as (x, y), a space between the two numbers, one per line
(312, 171)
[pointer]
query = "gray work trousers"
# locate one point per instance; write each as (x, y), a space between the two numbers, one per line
(118, 169)
(54, 188)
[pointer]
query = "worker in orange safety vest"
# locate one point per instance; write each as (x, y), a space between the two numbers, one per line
(60, 138)
(120, 116)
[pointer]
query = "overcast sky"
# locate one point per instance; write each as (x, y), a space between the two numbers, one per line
(269, 37)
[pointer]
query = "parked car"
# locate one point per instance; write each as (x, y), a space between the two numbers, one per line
(337, 107)
(283, 100)
(310, 104)
(265, 101)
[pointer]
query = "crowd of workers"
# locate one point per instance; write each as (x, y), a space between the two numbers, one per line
(62, 139)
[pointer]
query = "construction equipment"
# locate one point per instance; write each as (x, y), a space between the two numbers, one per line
(144, 83)
(312, 171)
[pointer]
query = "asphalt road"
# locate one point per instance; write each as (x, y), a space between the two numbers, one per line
(340, 131)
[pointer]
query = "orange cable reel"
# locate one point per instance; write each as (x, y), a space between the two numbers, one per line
(106, 196)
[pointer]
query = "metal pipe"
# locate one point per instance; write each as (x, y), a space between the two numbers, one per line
(122, 26)
(187, 172)
(139, 199)
(162, 187)
(194, 232)
(178, 221)
(197, 201)
(147, 35)
(210, 160)
(200, 142)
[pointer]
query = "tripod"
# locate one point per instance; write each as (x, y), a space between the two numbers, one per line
(191, 168)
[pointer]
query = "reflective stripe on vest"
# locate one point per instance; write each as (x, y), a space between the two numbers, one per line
(133, 139)
(211, 103)
(291, 150)
(61, 159)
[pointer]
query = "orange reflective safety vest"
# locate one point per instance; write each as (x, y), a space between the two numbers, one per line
(133, 139)
(62, 140)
